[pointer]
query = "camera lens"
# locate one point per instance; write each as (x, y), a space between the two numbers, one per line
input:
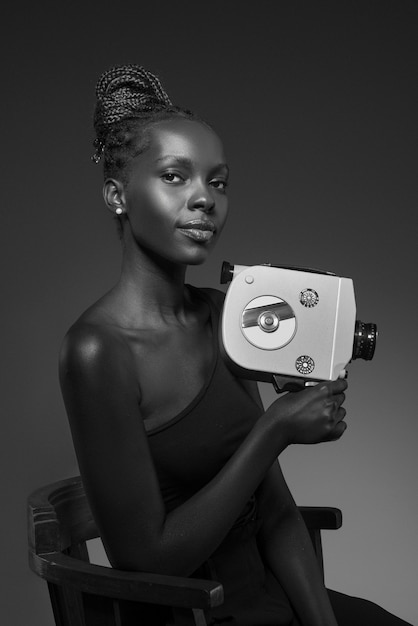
(365, 336)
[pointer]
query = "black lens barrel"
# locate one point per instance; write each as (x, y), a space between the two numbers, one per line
(365, 335)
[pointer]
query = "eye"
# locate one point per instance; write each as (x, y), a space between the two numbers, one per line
(172, 178)
(219, 184)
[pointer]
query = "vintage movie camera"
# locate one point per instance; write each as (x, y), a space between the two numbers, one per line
(291, 326)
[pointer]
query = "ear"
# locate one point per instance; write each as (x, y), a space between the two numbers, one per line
(114, 196)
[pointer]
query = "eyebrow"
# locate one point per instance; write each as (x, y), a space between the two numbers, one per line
(186, 162)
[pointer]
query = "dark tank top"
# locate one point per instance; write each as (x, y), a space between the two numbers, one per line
(188, 451)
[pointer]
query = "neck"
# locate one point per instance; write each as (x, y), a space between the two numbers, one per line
(151, 287)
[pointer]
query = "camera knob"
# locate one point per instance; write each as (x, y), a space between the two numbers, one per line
(268, 321)
(227, 272)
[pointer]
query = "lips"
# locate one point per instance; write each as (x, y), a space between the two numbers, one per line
(199, 225)
(199, 230)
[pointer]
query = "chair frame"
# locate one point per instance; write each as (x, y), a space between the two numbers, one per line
(60, 523)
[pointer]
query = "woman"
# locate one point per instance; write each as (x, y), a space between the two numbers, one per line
(178, 457)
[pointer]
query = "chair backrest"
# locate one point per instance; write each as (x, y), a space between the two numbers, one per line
(60, 523)
(60, 519)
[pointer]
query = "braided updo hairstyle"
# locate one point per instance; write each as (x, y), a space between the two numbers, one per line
(129, 100)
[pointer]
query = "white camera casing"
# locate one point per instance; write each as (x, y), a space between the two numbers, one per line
(289, 322)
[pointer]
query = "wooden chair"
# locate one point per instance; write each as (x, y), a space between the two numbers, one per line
(83, 594)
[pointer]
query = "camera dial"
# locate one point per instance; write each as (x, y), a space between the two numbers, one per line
(268, 322)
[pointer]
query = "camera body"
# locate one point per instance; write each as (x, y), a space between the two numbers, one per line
(296, 325)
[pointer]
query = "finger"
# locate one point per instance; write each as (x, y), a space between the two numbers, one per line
(338, 431)
(338, 386)
(335, 413)
(338, 399)
(340, 414)
(332, 387)
(324, 389)
(330, 409)
(333, 403)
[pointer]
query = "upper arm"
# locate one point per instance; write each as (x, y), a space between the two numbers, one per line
(102, 399)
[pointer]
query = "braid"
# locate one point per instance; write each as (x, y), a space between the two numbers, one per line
(129, 100)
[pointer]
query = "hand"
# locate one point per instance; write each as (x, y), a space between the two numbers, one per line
(313, 415)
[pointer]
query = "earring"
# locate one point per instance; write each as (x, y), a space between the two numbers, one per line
(119, 211)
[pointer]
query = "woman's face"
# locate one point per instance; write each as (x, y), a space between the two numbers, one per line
(175, 198)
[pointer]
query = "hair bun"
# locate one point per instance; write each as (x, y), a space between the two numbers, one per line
(129, 100)
(124, 90)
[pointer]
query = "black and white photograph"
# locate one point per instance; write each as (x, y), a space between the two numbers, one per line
(209, 314)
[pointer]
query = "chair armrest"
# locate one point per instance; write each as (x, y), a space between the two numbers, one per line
(321, 517)
(141, 587)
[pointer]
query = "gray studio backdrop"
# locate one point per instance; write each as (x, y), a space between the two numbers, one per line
(316, 103)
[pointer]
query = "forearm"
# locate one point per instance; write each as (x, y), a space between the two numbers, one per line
(288, 551)
(190, 533)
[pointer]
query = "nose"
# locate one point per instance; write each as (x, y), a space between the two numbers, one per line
(202, 199)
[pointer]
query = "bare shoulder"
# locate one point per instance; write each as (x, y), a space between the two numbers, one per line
(90, 345)
(98, 381)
